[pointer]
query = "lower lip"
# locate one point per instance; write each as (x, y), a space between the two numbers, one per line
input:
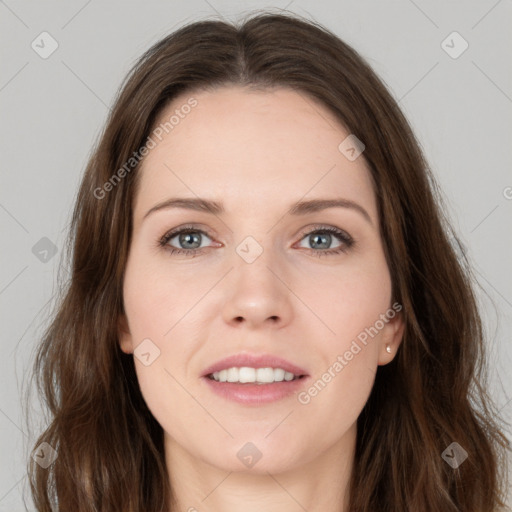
(255, 394)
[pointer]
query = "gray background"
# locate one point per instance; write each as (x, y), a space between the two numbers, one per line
(53, 109)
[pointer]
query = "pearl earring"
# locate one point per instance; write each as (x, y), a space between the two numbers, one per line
(388, 349)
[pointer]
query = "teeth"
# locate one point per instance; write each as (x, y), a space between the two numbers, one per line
(257, 375)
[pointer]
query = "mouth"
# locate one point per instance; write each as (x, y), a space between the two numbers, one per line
(254, 380)
(246, 368)
(250, 375)
(248, 389)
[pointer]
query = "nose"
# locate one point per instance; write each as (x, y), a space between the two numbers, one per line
(258, 294)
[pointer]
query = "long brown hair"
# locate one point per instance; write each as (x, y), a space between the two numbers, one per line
(110, 447)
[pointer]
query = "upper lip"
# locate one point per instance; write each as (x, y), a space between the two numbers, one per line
(254, 361)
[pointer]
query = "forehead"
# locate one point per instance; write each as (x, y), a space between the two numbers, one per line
(251, 148)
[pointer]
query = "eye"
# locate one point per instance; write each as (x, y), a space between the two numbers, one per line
(188, 237)
(321, 236)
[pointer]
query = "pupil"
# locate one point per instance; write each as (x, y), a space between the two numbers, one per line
(187, 238)
(324, 236)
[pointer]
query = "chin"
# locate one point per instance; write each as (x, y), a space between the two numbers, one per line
(260, 456)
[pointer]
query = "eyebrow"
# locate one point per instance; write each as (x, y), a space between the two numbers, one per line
(299, 208)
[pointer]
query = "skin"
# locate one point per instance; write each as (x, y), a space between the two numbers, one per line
(257, 152)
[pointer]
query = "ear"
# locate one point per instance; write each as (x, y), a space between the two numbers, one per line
(123, 334)
(392, 334)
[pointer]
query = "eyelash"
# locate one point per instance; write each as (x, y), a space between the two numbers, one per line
(343, 237)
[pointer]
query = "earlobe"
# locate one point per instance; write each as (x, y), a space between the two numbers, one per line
(124, 336)
(391, 339)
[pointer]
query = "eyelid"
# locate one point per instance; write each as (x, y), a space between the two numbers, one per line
(185, 227)
(312, 228)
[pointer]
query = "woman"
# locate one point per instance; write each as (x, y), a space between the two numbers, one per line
(208, 354)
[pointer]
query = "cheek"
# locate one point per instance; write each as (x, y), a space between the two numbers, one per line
(336, 397)
(351, 300)
(154, 299)
(353, 306)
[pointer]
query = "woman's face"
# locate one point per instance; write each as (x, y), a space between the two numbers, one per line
(254, 279)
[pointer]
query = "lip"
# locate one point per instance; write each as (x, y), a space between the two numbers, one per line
(256, 394)
(255, 361)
